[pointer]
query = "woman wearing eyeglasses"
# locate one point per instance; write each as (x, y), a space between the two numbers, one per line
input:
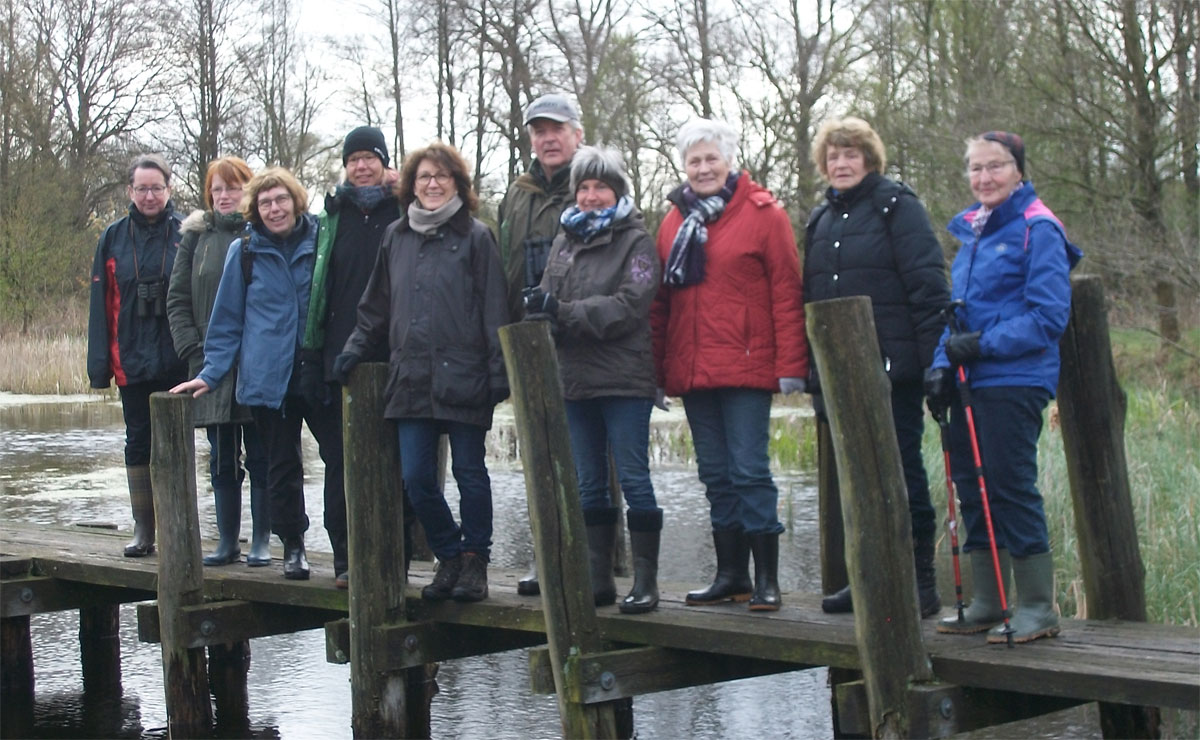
(257, 325)
(436, 298)
(207, 236)
(1012, 276)
(128, 337)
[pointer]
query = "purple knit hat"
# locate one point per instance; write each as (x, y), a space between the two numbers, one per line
(1013, 143)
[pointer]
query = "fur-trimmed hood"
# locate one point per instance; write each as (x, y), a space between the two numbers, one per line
(195, 221)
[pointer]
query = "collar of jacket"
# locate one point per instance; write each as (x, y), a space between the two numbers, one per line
(845, 197)
(168, 213)
(744, 186)
(535, 179)
(1014, 207)
(460, 222)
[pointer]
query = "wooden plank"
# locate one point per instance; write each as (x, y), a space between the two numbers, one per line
(223, 622)
(14, 566)
(419, 643)
(629, 672)
(1091, 407)
(40, 594)
(555, 515)
(874, 507)
(180, 572)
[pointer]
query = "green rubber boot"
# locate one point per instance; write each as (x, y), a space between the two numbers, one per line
(1034, 615)
(984, 611)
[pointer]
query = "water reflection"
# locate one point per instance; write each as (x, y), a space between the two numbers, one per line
(61, 463)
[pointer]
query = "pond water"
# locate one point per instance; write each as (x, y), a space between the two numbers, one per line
(61, 463)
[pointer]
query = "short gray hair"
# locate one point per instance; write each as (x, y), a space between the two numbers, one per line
(150, 162)
(600, 163)
(699, 130)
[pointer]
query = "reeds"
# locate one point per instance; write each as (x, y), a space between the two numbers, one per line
(43, 364)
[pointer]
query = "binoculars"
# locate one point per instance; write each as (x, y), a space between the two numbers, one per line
(151, 298)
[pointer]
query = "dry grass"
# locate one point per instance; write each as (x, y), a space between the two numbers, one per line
(43, 364)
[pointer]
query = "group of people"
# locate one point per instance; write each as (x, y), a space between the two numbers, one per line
(271, 309)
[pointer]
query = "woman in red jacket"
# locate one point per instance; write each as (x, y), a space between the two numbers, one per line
(728, 326)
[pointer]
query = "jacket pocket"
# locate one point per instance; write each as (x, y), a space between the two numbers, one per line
(460, 377)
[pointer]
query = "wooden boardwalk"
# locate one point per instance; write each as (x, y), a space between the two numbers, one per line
(1122, 662)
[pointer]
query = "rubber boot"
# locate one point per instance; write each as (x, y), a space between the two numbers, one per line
(228, 503)
(1034, 617)
(341, 559)
(732, 582)
(927, 593)
(472, 581)
(984, 611)
(295, 561)
(528, 585)
(260, 541)
(601, 537)
(838, 602)
(645, 533)
(141, 500)
(766, 596)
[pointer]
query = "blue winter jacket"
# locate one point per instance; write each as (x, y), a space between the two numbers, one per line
(1014, 280)
(260, 326)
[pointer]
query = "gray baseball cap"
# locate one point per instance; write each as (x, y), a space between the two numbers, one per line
(552, 106)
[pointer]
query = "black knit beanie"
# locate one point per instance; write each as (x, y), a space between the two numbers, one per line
(365, 139)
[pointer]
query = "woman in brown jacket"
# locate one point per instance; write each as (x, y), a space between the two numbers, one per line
(599, 282)
(436, 297)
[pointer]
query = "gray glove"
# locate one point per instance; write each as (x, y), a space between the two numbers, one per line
(788, 386)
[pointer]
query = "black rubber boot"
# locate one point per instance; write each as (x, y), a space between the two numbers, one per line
(227, 501)
(295, 561)
(341, 559)
(528, 585)
(732, 582)
(260, 542)
(766, 596)
(444, 580)
(838, 602)
(602, 537)
(645, 533)
(141, 501)
(472, 581)
(927, 593)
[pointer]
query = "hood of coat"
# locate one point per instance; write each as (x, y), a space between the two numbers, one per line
(195, 222)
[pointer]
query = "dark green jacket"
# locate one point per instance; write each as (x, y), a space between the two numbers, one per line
(530, 209)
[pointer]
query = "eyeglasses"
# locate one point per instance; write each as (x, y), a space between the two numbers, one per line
(142, 191)
(264, 204)
(354, 159)
(441, 177)
(993, 168)
(223, 190)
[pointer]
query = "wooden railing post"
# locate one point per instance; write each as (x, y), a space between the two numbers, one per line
(556, 516)
(874, 506)
(384, 703)
(180, 570)
(1091, 408)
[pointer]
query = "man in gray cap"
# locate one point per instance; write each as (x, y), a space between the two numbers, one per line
(530, 210)
(531, 207)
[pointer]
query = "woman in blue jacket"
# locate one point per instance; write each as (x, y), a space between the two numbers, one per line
(257, 324)
(1012, 276)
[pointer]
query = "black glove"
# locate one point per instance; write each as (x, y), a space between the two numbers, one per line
(939, 389)
(342, 365)
(539, 301)
(312, 378)
(962, 348)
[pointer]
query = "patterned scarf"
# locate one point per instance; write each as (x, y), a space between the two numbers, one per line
(685, 264)
(586, 224)
(366, 197)
(979, 220)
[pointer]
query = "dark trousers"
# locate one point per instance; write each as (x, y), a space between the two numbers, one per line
(135, 407)
(225, 457)
(418, 459)
(1008, 422)
(279, 430)
(908, 415)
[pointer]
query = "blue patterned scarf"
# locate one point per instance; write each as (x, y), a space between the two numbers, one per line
(685, 264)
(586, 224)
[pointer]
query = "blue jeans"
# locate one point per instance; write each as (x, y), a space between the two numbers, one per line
(1008, 422)
(729, 431)
(418, 459)
(225, 461)
(621, 424)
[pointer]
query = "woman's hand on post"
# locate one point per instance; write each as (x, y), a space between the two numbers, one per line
(660, 400)
(195, 386)
(788, 386)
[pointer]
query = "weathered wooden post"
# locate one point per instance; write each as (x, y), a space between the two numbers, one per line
(100, 647)
(16, 676)
(384, 703)
(1091, 408)
(180, 571)
(556, 517)
(874, 506)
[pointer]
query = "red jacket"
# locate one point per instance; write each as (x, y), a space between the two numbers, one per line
(743, 325)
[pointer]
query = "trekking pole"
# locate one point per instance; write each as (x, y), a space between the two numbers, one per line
(942, 416)
(964, 390)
